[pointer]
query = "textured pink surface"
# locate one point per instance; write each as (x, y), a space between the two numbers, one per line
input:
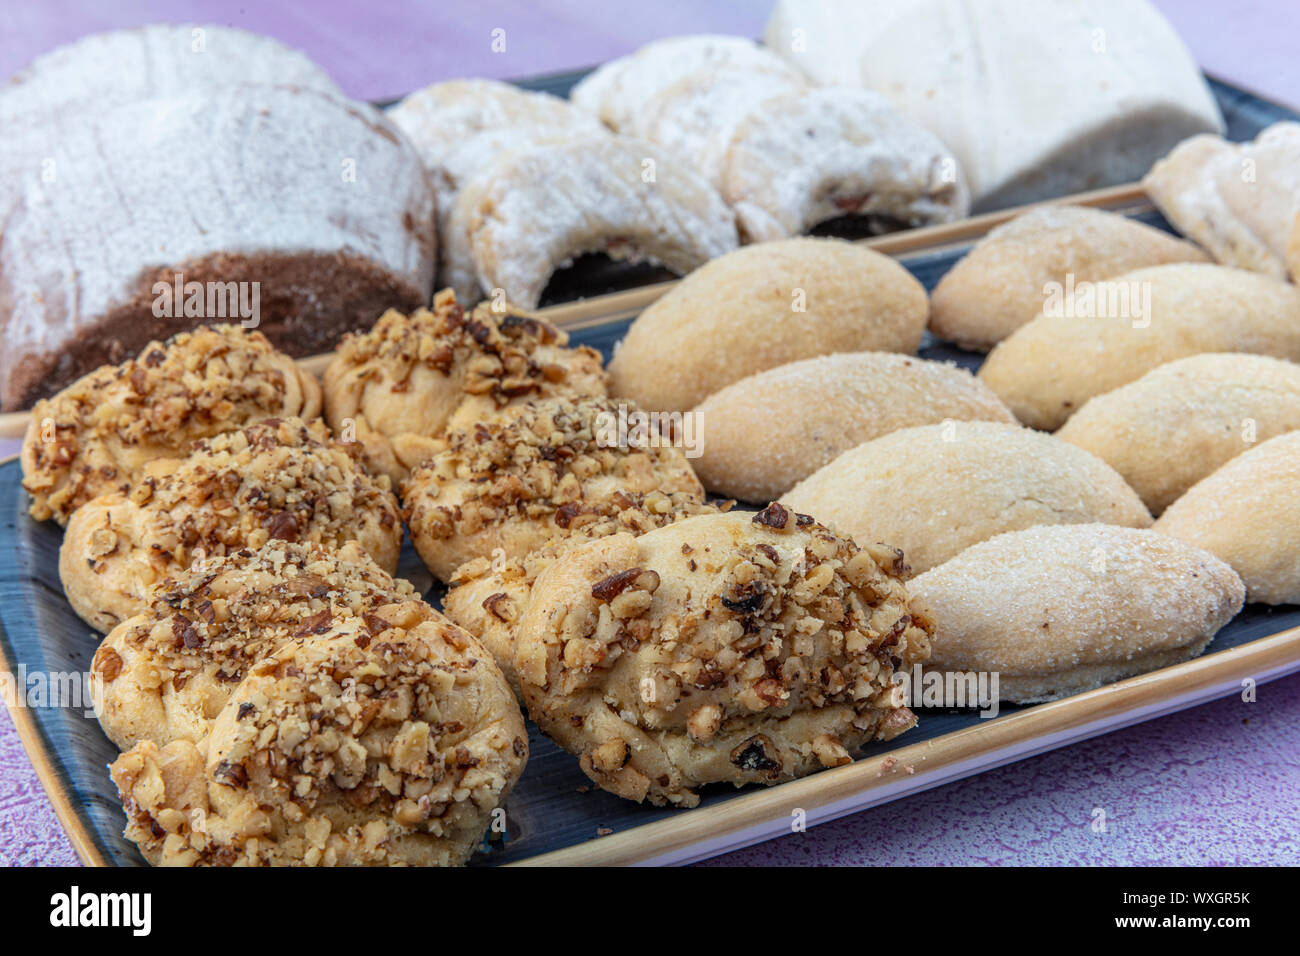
(1215, 784)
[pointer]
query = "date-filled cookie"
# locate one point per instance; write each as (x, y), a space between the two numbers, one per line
(366, 742)
(509, 483)
(279, 479)
(401, 385)
(97, 435)
(740, 648)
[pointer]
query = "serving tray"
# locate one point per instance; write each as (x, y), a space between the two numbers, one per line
(554, 815)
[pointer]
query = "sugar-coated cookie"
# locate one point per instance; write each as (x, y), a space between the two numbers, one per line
(1248, 514)
(1060, 609)
(935, 490)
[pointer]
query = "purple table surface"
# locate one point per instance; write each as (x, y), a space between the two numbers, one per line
(1212, 785)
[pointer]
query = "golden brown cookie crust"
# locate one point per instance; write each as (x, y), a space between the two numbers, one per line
(167, 672)
(280, 478)
(401, 385)
(489, 598)
(746, 648)
(529, 474)
(98, 434)
(359, 745)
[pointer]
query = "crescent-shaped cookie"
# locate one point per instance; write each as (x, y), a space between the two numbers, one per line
(508, 484)
(805, 158)
(1061, 609)
(739, 648)
(1248, 514)
(280, 478)
(621, 197)
(935, 490)
(98, 434)
(397, 388)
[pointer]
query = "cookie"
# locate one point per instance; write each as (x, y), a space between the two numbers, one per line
(98, 434)
(762, 306)
(279, 479)
(167, 672)
(489, 597)
(1046, 370)
(935, 490)
(366, 743)
(537, 208)
(736, 648)
(1061, 609)
(460, 126)
(620, 90)
(764, 434)
(1182, 420)
(509, 483)
(1002, 282)
(870, 163)
(1248, 514)
(397, 388)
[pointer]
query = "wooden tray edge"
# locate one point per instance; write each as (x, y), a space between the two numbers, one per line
(615, 306)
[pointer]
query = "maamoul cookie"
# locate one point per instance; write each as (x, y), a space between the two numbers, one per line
(97, 435)
(490, 597)
(280, 478)
(935, 490)
(400, 386)
(169, 670)
(1061, 609)
(1046, 370)
(1238, 200)
(802, 159)
(762, 306)
(368, 742)
(509, 483)
(1002, 282)
(1248, 514)
(740, 648)
(1182, 420)
(764, 434)
(619, 91)
(535, 209)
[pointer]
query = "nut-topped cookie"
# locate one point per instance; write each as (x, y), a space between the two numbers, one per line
(280, 478)
(98, 434)
(400, 386)
(509, 483)
(740, 648)
(167, 672)
(489, 597)
(364, 743)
